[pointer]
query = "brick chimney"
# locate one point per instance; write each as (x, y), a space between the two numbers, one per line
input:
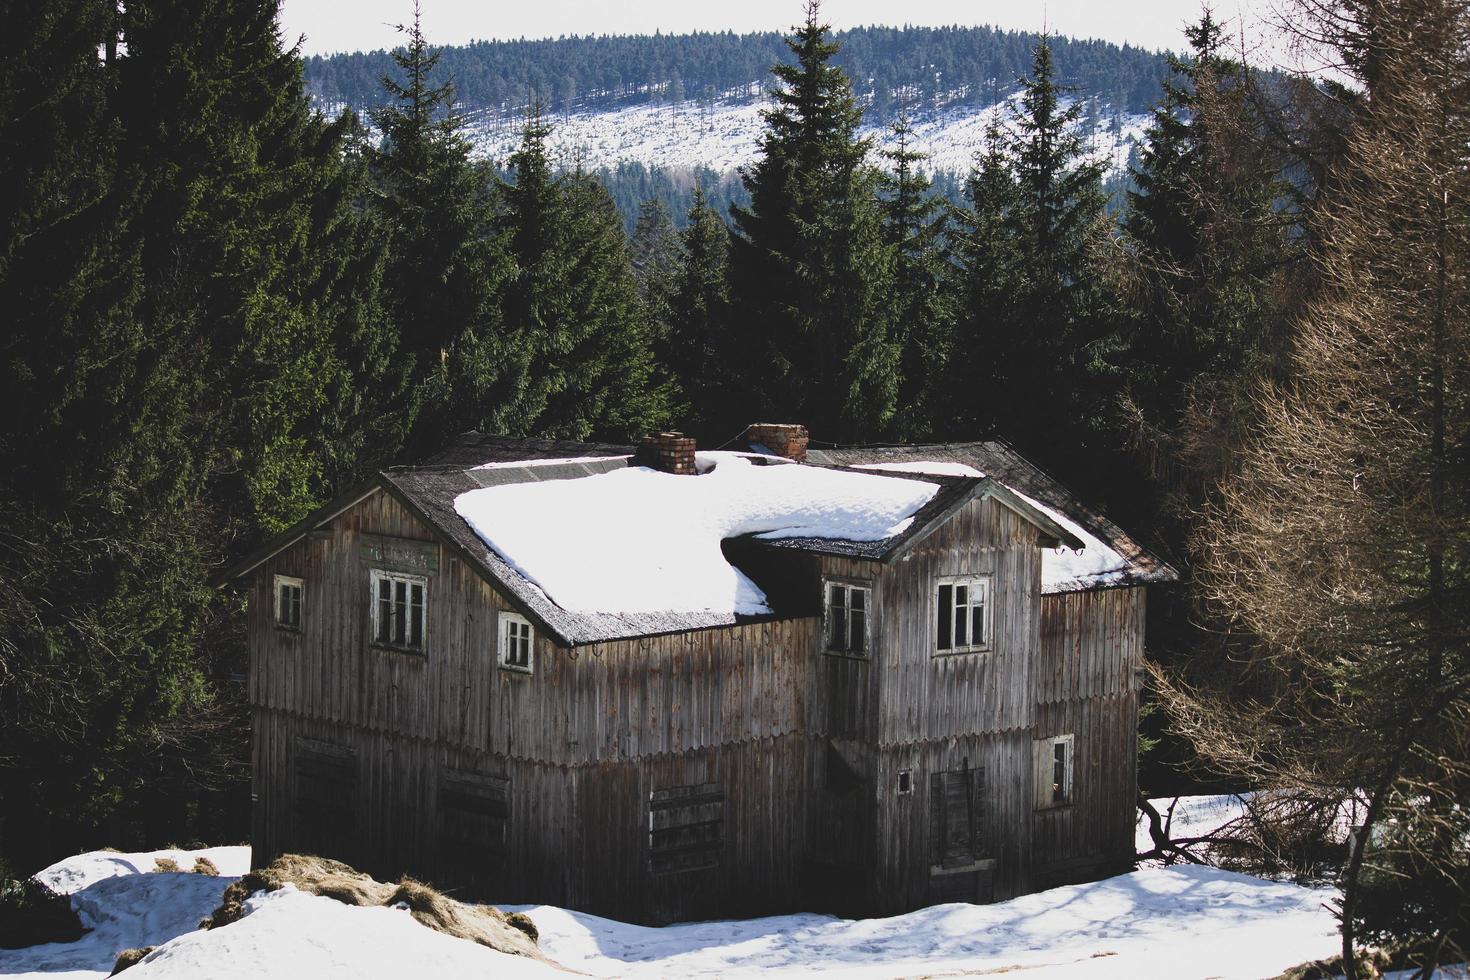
(668, 452)
(780, 438)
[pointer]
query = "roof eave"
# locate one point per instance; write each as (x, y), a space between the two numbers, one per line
(277, 543)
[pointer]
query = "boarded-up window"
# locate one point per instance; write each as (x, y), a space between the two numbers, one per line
(955, 817)
(326, 799)
(685, 827)
(474, 811)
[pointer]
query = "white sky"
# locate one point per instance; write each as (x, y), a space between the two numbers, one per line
(331, 25)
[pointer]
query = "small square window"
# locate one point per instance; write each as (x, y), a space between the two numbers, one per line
(1054, 758)
(846, 617)
(962, 614)
(399, 606)
(905, 781)
(289, 593)
(516, 640)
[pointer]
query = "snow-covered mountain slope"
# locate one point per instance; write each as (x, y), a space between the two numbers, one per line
(724, 135)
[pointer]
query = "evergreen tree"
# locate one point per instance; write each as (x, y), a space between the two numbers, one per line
(1209, 247)
(574, 295)
(987, 281)
(693, 352)
(811, 272)
(915, 222)
(444, 264)
(655, 252)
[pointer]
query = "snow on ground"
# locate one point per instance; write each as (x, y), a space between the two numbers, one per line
(1171, 923)
(289, 933)
(725, 135)
(1194, 816)
(126, 904)
(1177, 922)
(637, 540)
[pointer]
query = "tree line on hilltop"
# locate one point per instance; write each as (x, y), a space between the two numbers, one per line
(224, 308)
(911, 67)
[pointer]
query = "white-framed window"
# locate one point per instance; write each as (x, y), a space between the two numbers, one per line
(399, 606)
(516, 639)
(846, 618)
(289, 597)
(1054, 770)
(962, 612)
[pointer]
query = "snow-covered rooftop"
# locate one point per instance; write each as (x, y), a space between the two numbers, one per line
(636, 540)
(1063, 569)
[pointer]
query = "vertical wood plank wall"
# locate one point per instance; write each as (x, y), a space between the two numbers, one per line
(758, 709)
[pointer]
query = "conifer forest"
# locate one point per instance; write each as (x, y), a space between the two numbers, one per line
(222, 306)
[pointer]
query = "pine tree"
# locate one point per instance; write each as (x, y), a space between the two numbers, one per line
(694, 353)
(915, 223)
(811, 272)
(655, 252)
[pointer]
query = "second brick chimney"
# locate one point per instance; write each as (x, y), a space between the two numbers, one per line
(780, 438)
(668, 452)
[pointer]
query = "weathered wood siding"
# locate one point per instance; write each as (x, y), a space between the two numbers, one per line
(537, 788)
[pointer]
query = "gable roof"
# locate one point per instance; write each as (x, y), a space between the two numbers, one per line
(1000, 461)
(476, 461)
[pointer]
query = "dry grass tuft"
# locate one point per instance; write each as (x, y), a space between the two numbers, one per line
(130, 957)
(165, 864)
(482, 924)
(204, 866)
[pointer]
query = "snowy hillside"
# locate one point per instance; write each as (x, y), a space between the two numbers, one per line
(724, 135)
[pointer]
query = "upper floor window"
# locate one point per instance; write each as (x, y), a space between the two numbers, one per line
(962, 609)
(288, 601)
(398, 604)
(515, 642)
(847, 617)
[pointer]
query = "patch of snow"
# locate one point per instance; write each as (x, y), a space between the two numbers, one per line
(1194, 816)
(71, 875)
(725, 135)
(289, 933)
(126, 904)
(637, 540)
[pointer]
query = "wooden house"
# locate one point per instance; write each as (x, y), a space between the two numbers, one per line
(947, 713)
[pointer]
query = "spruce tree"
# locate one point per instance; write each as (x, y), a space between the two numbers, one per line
(1053, 351)
(811, 272)
(444, 262)
(915, 223)
(694, 352)
(655, 253)
(1209, 246)
(574, 297)
(987, 280)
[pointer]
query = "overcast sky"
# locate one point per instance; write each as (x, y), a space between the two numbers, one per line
(330, 25)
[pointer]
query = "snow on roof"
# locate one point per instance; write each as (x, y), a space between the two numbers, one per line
(1061, 568)
(636, 540)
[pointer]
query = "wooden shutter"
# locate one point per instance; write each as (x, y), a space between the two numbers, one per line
(686, 828)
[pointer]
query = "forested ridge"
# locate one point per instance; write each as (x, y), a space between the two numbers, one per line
(225, 306)
(892, 68)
